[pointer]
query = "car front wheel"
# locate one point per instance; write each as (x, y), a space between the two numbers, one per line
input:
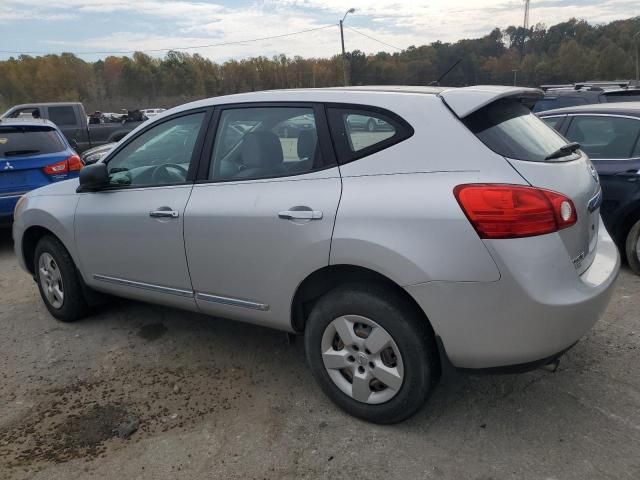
(57, 280)
(371, 353)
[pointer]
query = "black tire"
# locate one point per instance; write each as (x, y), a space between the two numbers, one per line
(371, 126)
(408, 329)
(630, 248)
(74, 305)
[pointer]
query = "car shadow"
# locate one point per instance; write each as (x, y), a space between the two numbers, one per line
(6, 241)
(130, 342)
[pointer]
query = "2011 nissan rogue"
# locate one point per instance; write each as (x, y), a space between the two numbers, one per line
(462, 228)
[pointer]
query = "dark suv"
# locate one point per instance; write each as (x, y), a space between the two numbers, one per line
(586, 93)
(610, 135)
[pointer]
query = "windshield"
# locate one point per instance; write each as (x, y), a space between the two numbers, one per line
(20, 141)
(510, 129)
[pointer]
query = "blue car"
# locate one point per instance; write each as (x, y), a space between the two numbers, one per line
(33, 153)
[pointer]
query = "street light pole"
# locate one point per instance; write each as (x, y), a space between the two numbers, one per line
(344, 55)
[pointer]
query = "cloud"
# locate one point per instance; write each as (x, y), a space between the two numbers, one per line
(178, 23)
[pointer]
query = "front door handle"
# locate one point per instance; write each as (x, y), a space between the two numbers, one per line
(164, 213)
(301, 214)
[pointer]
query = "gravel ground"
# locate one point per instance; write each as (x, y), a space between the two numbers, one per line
(144, 392)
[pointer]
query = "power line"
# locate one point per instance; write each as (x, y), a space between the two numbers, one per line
(374, 39)
(221, 44)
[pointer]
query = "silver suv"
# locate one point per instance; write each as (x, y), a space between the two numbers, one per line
(462, 230)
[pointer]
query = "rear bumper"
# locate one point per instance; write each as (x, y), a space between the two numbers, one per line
(8, 204)
(539, 307)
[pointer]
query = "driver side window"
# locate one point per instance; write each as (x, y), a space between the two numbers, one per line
(160, 156)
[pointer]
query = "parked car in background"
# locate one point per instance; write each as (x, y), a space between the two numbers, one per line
(469, 233)
(587, 93)
(72, 121)
(364, 122)
(33, 153)
(292, 127)
(610, 135)
(152, 112)
(97, 153)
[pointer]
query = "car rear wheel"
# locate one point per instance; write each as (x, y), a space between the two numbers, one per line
(371, 352)
(633, 248)
(57, 280)
(371, 126)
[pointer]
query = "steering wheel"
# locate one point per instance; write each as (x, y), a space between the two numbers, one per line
(169, 173)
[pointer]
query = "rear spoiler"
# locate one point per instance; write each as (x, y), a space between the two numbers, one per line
(467, 100)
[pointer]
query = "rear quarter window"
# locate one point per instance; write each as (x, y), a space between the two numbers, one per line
(359, 131)
(510, 129)
(25, 141)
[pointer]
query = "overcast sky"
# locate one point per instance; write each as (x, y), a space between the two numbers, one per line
(124, 25)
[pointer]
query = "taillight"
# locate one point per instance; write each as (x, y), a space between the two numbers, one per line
(74, 163)
(514, 211)
(71, 164)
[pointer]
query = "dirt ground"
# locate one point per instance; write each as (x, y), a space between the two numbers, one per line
(212, 398)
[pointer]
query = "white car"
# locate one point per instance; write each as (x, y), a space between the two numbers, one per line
(467, 231)
(152, 112)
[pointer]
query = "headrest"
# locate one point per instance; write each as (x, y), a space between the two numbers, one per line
(261, 149)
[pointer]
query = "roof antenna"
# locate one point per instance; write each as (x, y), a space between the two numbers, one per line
(436, 83)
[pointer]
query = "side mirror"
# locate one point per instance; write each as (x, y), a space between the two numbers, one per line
(74, 144)
(93, 177)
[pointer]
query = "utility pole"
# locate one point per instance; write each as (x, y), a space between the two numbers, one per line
(525, 26)
(637, 40)
(344, 55)
(515, 78)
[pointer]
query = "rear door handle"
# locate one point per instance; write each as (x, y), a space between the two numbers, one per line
(301, 215)
(162, 213)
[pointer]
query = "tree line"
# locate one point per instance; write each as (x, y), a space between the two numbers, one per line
(567, 52)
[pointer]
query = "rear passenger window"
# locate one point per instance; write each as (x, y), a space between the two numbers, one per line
(265, 142)
(636, 151)
(361, 132)
(553, 122)
(62, 115)
(605, 137)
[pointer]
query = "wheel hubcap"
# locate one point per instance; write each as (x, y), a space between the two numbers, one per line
(362, 359)
(51, 280)
(638, 248)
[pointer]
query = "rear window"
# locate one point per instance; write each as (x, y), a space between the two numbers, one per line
(614, 97)
(559, 102)
(62, 115)
(510, 129)
(24, 141)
